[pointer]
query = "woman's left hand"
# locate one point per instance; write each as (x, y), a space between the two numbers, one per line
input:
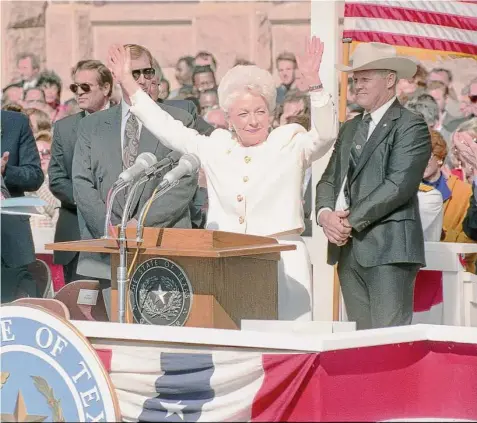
(309, 62)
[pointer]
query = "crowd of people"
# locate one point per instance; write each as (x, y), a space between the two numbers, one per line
(256, 142)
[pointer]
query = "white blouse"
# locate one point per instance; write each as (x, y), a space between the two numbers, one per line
(254, 190)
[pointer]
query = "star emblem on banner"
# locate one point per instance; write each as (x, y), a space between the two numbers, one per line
(174, 408)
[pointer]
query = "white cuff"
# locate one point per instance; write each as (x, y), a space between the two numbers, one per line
(319, 98)
(319, 213)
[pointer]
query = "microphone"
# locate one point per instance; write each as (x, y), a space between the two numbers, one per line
(143, 162)
(188, 165)
(155, 171)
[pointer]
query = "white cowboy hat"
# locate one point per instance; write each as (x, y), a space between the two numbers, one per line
(373, 56)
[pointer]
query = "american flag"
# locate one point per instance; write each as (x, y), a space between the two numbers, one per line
(405, 374)
(435, 25)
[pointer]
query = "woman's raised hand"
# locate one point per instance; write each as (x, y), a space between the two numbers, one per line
(309, 62)
(119, 62)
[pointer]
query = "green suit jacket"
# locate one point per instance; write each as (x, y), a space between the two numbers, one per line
(384, 210)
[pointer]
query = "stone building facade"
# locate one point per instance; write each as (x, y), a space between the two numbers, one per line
(63, 32)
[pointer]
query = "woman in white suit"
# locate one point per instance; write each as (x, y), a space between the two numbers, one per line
(254, 175)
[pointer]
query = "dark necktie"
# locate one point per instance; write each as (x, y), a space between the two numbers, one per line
(359, 140)
(131, 141)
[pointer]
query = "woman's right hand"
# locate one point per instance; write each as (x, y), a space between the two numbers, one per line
(119, 62)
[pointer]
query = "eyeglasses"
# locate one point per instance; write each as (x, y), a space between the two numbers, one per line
(45, 152)
(147, 72)
(85, 87)
(473, 98)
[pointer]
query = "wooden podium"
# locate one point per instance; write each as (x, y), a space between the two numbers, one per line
(233, 276)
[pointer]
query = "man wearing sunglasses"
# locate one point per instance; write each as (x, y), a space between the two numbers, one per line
(109, 142)
(92, 87)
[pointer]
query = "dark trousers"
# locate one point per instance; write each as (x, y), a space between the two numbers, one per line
(379, 296)
(69, 271)
(17, 282)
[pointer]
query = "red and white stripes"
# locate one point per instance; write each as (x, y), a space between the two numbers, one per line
(435, 25)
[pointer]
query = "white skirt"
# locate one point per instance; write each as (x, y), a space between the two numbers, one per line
(294, 280)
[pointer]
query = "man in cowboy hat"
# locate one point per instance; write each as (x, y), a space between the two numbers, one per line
(366, 200)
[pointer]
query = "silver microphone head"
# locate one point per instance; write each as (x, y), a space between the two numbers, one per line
(191, 161)
(146, 159)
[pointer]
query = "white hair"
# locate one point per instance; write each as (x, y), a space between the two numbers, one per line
(241, 79)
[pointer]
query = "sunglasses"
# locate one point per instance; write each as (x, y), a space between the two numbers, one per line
(85, 87)
(473, 98)
(147, 72)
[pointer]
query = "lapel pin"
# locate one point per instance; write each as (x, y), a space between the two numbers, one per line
(385, 125)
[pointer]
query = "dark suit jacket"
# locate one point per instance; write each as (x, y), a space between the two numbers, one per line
(384, 209)
(97, 164)
(61, 183)
(23, 173)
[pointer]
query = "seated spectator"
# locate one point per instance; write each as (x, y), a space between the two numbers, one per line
(12, 93)
(455, 195)
(295, 103)
(34, 95)
(51, 85)
(39, 120)
(445, 77)
(204, 58)
(208, 99)
(286, 66)
(184, 68)
(164, 89)
(408, 88)
(426, 106)
(440, 93)
(50, 211)
(203, 78)
(28, 65)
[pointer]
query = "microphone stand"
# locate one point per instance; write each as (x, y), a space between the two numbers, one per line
(119, 187)
(140, 223)
(122, 271)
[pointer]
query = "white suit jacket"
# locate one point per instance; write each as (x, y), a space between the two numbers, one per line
(255, 190)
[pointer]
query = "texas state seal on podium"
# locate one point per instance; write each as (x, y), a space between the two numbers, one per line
(50, 372)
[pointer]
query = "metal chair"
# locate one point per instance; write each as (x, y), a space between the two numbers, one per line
(42, 276)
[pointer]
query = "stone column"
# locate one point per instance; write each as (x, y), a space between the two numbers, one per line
(324, 24)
